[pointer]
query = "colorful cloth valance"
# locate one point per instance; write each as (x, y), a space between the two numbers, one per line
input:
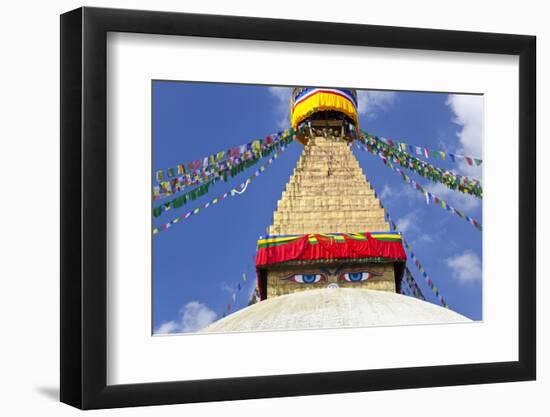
(306, 101)
(329, 247)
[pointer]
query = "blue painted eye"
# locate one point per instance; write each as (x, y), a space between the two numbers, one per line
(308, 278)
(355, 276)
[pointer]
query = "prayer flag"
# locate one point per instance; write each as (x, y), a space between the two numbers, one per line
(256, 146)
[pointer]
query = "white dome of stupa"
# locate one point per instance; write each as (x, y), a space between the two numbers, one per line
(334, 308)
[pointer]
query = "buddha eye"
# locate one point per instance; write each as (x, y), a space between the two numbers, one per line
(356, 276)
(308, 278)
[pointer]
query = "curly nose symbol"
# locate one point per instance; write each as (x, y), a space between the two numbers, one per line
(332, 286)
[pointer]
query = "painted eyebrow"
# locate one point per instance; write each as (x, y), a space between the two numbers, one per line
(340, 268)
(350, 269)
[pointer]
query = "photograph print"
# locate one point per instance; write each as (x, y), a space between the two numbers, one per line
(280, 208)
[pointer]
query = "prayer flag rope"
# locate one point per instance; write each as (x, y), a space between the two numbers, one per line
(235, 291)
(201, 190)
(429, 153)
(254, 297)
(240, 189)
(427, 279)
(417, 263)
(409, 278)
(211, 162)
(406, 287)
(411, 282)
(183, 199)
(429, 196)
(450, 179)
(231, 166)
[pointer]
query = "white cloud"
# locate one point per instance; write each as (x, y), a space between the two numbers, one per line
(425, 238)
(282, 107)
(456, 198)
(402, 192)
(386, 193)
(465, 267)
(167, 327)
(412, 197)
(371, 103)
(407, 223)
(193, 317)
(468, 113)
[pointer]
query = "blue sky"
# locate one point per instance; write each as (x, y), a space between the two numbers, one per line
(198, 263)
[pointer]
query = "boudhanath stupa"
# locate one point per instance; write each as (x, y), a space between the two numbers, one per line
(329, 259)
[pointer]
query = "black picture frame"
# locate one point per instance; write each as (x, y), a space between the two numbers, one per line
(84, 207)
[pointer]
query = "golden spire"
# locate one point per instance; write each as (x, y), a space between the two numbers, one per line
(328, 193)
